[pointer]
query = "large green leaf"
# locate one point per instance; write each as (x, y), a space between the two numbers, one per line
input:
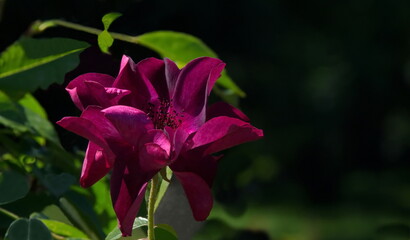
(81, 215)
(22, 118)
(27, 229)
(102, 204)
(32, 63)
(11, 114)
(63, 229)
(182, 48)
(29, 102)
(13, 186)
(137, 232)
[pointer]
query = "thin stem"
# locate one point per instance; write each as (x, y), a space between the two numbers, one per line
(151, 206)
(8, 213)
(40, 27)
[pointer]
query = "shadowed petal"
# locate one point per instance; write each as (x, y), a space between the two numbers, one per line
(203, 166)
(224, 132)
(214, 75)
(130, 78)
(153, 70)
(105, 96)
(152, 157)
(95, 127)
(104, 126)
(171, 74)
(95, 166)
(193, 85)
(80, 93)
(86, 129)
(198, 193)
(154, 150)
(128, 187)
(179, 138)
(224, 109)
(130, 122)
(159, 137)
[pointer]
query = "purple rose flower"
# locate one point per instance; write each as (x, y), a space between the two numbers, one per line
(151, 116)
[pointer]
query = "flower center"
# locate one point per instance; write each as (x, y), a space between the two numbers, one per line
(163, 114)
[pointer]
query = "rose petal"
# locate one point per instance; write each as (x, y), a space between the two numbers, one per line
(171, 74)
(159, 137)
(154, 150)
(131, 123)
(192, 88)
(95, 166)
(153, 157)
(128, 185)
(220, 133)
(80, 93)
(225, 109)
(153, 70)
(104, 126)
(130, 78)
(86, 129)
(105, 96)
(198, 193)
(203, 166)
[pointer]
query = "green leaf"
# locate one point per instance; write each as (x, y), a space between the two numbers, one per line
(23, 119)
(163, 187)
(102, 204)
(11, 114)
(182, 48)
(54, 212)
(105, 40)
(110, 18)
(13, 186)
(79, 218)
(58, 184)
(32, 63)
(165, 232)
(137, 232)
(27, 229)
(41, 126)
(63, 229)
(29, 102)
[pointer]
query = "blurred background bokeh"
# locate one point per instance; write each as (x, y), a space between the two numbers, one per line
(327, 81)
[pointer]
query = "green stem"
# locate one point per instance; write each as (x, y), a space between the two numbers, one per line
(41, 26)
(151, 206)
(8, 213)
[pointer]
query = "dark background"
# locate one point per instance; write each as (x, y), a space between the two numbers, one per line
(327, 81)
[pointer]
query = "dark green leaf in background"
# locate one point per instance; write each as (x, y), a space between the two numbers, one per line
(29, 64)
(58, 184)
(27, 229)
(13, 186)
(81, 215)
